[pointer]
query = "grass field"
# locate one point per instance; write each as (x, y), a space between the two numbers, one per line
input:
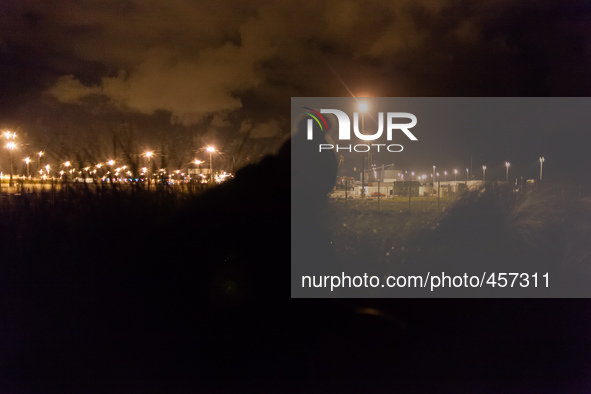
(397, 204)
(540, 230)
(362, 237)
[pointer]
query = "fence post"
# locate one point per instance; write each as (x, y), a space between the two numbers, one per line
(438, 195)
(409, 187)
(378, 196)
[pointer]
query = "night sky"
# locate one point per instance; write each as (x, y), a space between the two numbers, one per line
(175, 74)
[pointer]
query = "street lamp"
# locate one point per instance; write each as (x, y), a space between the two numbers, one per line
(445, 172)
(541, 164)
(27, 160)
(210, 149)
(40, 153)
(198, 163)
(433, 175)
(10, 145)
(67, 164)
(413, 175)
(110, 163)
(455, 174)
(149, 156)
(507, 164)
(363, 107)
(483, 173)
(98, 167)
(467, 176)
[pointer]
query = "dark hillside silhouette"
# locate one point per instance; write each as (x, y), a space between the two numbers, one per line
(129, 291)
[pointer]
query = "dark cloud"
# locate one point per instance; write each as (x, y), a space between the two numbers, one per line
(220, 63)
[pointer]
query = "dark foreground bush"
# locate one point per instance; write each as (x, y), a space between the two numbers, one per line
(134, 292)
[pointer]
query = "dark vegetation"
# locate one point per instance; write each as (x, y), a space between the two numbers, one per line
(134, 292)
(544, 228)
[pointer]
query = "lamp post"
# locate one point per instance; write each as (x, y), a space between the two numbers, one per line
(40, 153)
(198, 164)
(445, 173)
(110, 163)
(467, 175)
(10, 146)
(541, 165)
(67, 164)
(97, 173)
(455, 174)
(210, 149)
(507, 164)
(27, 160)
(483, 173)
(433, 175)
(363, 109)
(149, 156)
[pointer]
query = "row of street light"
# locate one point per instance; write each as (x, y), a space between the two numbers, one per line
(435, 174)
(11, 146)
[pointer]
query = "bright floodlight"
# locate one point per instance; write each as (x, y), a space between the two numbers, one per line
(198, 162)
(210, 149)
(10, 145)
(27, 160)
(148, 154)
(67, 164)
(363, 107)
(111, 162)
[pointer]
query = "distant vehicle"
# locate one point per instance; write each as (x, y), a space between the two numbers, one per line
(376, 194)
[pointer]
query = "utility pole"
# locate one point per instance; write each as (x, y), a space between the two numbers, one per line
(409, 187)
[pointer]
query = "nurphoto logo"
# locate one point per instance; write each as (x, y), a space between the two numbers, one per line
(344, 130)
